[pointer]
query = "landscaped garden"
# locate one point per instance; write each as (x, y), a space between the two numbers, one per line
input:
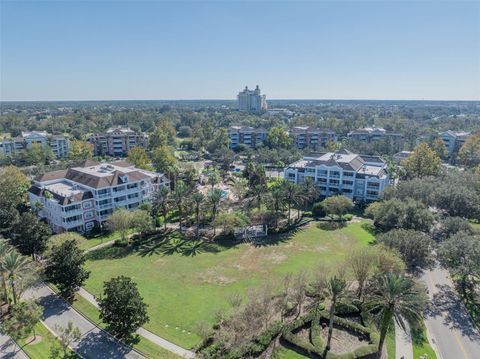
(186, 282)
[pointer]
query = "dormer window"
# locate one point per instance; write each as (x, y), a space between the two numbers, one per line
(124, 178)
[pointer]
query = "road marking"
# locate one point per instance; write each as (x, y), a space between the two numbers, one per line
(455, 334)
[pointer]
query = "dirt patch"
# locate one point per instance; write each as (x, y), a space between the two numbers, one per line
(32, 340)
(343, 340)
(276, 258)
(212, 277)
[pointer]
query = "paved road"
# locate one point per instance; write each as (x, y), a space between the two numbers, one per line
(146, 333)
(450, 327)
(9, 350)
(94, 343)
(403, 342)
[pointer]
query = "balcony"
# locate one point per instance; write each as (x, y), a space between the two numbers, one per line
(104, 195)
(73, 224)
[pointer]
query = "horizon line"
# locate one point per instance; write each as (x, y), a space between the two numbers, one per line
(220, 99)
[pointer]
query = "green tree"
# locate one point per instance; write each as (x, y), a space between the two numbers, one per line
(220, 141)
(214, 197)
(291, 194)
(362, 262)
(198, 199)
(141, 221)
(22, 319)
(469, 154)
(229, 221)
(80, 150)
(65, 268)
(396, 296)
(438, 146)
(422, 162)
(278, 138)
(163, 135)
(179, 197)
(164, 160)
(15, 266)
(4, 250)
(120, 221)
(29, 235)
(460, 253)
(336, 287)
(13, 187)
(161, 203)
(138, 157)
(67, 335)
(414, 247)
(122, 308)
(337, 206)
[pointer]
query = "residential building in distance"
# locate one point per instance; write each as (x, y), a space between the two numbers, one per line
(251, 100)
(454, 140)
(401, 156)
(116, 142)
(59, 144)
(80, 198)
(359, 177)
(311, 137)
(246, 135)
(370, 134)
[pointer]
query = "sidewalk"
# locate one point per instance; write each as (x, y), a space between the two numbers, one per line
(94, 343)
(9, 349)
(403, 342)
(145, 333)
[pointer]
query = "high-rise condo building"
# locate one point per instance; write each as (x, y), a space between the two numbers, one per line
(251, 100)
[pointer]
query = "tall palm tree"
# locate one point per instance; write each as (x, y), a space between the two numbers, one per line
(161, 203)
(198, 198)
(396, 296)
(291, 194)
(214, 197)
(276, 200)
(336, 287)
(179, 196)
(4, 250)
(14, 265)
(213, 178)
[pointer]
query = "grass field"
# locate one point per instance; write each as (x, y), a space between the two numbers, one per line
(187, 282)
(41, 349)
(421, 346)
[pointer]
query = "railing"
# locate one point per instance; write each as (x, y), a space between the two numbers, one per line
(73, 224)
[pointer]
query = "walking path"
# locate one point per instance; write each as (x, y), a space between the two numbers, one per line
(94, 343)
(403, 342)
(451, 331)
(145, 333)
(9, 349)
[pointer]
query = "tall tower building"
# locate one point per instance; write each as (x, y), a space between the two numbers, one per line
(251, 100)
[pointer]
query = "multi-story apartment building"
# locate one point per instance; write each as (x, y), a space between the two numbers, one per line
(311, 137)
(251, 100)
(245, 135)
(80, 198)
(59, 144)
(370, 134)
(116, 142)
(454, 140)
(359, 177)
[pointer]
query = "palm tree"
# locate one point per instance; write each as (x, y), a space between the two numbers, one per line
(4, 250)
(179, 197)
(336, 287)
(213, 178)
(198, 198)
(161, 202)
(214, 197)
(291, 195)
(14, 265)
(276, 199)
(396, 296)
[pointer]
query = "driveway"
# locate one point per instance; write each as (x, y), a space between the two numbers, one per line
(450, 328)
(94, 343)
(9, 350)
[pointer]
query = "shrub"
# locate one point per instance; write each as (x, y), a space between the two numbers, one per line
(318, 210)
(347, 217)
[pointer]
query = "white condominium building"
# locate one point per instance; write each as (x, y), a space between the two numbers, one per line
(59, 144)
(359, 177)
(311, 137)
(369, 134)
(454, 140)
(247, 136)
(251, 101)
(80, 198)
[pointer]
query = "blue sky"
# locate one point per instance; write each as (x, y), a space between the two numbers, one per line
(77, 50)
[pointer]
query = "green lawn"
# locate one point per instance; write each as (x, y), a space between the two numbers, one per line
(184, 283)
(151, 350)
(95, 241)
(421, 346)
(41, 349)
